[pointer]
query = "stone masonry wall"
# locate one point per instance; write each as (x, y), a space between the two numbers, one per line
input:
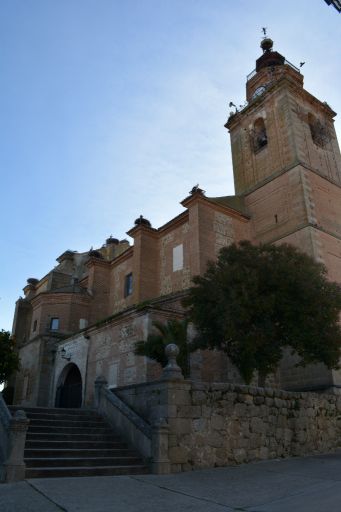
(223, 424)
(233, 424)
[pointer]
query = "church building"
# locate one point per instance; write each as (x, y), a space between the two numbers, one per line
(82, 319)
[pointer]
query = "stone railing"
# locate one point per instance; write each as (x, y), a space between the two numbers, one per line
(150, 440)
(12, 443)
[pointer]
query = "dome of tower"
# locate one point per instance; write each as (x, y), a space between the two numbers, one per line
(267, 44)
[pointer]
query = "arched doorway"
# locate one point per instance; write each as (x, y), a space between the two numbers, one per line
(69, 389)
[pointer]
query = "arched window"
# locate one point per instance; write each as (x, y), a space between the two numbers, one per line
(260, 138)
(319, 132)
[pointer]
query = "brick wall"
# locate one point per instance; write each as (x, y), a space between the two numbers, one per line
(326, 160)
(98, 287)
(111, 353)
(118, 273)
(22, 321)
(326, 198)
(251, 168)
(77, 350)
(174, 280)
(68, 307)
(146, 266)
(278, 208)
(27, 380)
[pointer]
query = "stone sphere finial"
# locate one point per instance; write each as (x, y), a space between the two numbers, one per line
(172, 371)
(172, 351)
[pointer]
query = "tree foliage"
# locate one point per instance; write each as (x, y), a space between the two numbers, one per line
(174, 331)
(256, 300)
(9, 359)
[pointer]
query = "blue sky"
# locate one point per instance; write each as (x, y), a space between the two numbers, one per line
(114, 108)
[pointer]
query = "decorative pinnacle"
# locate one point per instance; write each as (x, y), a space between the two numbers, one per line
(172, 352)
(172, 371)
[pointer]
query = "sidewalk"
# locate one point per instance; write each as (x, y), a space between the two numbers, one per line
(309, 484)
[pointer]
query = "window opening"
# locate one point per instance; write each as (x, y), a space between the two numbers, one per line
(259, 136)
(319, 132)
(128, 284)
(178, 258)
(54, 324)
(83, 323)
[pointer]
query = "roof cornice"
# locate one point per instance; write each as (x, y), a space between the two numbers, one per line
(189, 201)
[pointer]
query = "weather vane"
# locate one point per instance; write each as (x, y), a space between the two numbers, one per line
(264, 31)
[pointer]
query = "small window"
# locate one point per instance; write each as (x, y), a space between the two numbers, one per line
(260, 138)
(178, 258)
(35, 323)
(319, 132)
(54, 324)
(83, 323)
(128, 284)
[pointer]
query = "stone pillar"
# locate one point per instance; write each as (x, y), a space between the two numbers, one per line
(160, 460)
(100, 382)
(174, 399)
(15, 465)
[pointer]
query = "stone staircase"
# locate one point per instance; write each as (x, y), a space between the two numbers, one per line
(75, 442)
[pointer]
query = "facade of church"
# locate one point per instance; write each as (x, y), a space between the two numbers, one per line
(83, 318)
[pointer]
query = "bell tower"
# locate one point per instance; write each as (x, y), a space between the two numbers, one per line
(286, 161)
(287, 173)
(282, 126)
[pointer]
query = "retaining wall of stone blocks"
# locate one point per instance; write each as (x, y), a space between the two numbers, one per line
(224, 424)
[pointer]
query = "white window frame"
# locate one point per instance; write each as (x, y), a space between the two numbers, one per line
(178, 257)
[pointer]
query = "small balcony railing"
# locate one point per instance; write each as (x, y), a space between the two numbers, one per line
(286, 62)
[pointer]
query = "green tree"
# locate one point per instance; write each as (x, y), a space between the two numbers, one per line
(9, 359)
(256, 300)
(174, 331)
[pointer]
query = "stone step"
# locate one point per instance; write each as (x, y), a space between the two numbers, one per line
(77, 453)
(75, 442)
(138, 469)
(54, 410)
(60, 422)
(49, 462)
(66, 444)
(63, 417)
(52, 436)
(47, 429)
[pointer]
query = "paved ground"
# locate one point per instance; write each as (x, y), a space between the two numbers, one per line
(309, 484)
